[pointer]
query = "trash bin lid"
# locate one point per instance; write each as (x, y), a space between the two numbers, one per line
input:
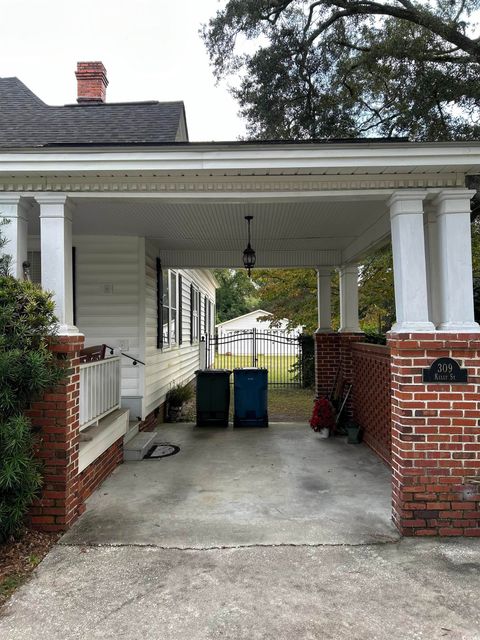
(213, 371)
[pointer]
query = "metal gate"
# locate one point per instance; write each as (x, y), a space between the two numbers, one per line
(279, 353)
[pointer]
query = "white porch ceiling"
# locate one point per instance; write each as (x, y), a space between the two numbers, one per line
(214, 233)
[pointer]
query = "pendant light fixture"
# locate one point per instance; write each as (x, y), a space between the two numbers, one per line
(249, 257)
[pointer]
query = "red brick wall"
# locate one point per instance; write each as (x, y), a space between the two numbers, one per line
(372, 396)
(326, 362)
(56, 419)
(435, 437)
(334, 350)
(346, 344)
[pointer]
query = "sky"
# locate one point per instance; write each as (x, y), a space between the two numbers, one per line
(150, 48)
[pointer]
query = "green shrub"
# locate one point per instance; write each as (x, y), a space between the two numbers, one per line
(179, 394)
(27, 370)
(374, 337)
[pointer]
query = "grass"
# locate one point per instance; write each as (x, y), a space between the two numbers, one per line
(10, 584)
(279, 367)
(285, 404)
(289, 403)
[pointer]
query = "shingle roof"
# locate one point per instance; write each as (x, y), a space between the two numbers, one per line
(26, 121)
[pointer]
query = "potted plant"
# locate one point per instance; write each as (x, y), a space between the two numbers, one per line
(176, 398)
(323, 417)
(354, 433)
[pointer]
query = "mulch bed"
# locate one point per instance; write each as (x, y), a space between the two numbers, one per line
(18, 558)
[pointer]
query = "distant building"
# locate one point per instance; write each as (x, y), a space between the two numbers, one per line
(241, 328)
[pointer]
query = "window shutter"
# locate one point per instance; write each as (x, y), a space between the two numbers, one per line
(159, 305)
(180, 309)
(192, 293)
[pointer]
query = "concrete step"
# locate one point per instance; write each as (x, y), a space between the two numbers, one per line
(139, 445)
(132, 431)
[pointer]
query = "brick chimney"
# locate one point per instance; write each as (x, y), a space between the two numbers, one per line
(91, 82)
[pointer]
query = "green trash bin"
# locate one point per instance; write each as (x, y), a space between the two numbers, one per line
(213, 397)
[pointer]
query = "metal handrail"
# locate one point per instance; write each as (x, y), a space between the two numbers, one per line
(135, 360)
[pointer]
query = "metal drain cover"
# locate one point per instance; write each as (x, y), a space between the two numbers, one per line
(161, 450)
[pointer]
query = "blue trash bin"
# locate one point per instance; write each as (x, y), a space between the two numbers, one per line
(250, 397)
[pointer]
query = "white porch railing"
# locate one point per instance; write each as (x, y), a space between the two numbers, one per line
(99, 390)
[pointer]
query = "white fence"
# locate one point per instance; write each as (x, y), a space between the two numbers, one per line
(99, 390)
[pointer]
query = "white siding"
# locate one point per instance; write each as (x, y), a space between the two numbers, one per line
(109, 283)
(175, 364)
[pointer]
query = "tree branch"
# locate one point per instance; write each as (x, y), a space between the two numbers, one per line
(414, 15)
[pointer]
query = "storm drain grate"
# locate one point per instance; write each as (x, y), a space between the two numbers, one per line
(161, 450)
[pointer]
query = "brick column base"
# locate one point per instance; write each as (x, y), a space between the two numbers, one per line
(332, 351)
(435, 437)
(326, 362)
(346, 341)
(56, 419)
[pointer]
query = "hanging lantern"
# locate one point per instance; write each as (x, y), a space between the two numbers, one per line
(249, 257)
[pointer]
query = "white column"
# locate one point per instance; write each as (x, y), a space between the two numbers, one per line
(455, 261)
(432, 264)
(56, 251)
(324, 299)
(349, 299)
(409, 263)
(14, 209)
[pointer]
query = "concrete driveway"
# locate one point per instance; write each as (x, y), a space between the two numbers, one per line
(226, 487)
(287, 538)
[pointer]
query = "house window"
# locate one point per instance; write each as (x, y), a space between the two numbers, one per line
(193, 314)
(169, 316)
(173, 308)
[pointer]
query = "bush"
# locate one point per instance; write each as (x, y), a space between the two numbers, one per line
(179, 394)
(303, 369)
(27, 370)
(373, 337)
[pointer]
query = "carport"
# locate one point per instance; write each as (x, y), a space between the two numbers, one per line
(321, 205)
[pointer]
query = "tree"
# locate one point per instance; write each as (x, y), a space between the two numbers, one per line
(236, 295)
(289, 294)
(342, 68)
(376, 292)
(476, 267)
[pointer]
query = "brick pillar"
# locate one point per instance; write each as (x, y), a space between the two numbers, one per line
(56, 418)
(435, 437)
(346, 359)
(332, 351)
(326, 361)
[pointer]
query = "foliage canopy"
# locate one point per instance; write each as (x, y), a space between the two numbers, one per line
(236, 295)
(342, 68)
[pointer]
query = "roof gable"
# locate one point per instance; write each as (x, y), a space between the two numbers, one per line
(257, 313)
(26, 121)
